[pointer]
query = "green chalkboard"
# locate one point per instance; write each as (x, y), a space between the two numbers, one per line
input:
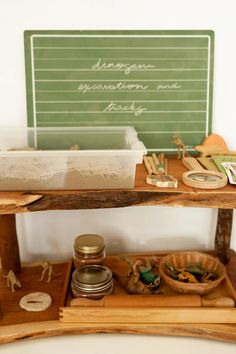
(160, 82)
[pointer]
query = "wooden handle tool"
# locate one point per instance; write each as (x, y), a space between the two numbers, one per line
(152, 164)
(153, 301)
(192, 164)
(147, 165)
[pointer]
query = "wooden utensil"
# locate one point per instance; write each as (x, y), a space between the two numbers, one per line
(208, 163)
(192, 164)
(153, 301)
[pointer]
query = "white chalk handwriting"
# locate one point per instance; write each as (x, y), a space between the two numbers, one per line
(131, 108)
(172, 86)
(119, 86)
(127, 68)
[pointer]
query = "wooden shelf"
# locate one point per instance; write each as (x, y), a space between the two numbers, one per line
(223, 199)
(141, 194)
(17, 325)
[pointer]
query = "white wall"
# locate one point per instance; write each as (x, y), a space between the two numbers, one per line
(51, 234)
(118, 344)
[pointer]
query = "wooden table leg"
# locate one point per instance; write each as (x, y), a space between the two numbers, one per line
(223, 234)
(9, 248)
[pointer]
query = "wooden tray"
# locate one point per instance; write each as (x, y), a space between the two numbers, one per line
(190, 312)
(12, 313)
(17, 324)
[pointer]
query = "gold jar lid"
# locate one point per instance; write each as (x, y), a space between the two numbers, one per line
(89, 243)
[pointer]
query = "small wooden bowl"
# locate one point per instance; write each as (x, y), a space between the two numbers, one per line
(184, 259)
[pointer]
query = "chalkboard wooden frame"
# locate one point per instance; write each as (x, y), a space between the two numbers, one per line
(160, 82)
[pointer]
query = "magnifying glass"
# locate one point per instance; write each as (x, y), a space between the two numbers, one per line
(205, 179)
(201, 178)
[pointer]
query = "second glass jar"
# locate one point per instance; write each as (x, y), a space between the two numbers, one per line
(89, 249)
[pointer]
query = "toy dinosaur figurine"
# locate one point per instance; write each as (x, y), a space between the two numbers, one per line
(209, 150)
(12, 281)
(47, 267)
(214, 144)
(181, 147)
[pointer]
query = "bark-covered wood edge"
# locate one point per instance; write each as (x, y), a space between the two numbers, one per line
(21, 202)
(223, 234)
(9, 248)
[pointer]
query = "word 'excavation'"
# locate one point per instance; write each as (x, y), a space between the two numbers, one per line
(127, 68)
(137, 110)
(119, 86)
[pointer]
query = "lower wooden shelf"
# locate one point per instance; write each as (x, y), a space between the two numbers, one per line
(17, 324)
(221, 332)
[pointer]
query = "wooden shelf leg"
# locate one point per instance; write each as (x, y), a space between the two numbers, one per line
(9, 248)
(223, 234)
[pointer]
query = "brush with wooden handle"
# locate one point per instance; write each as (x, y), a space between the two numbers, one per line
(192, 164)
(154, 301)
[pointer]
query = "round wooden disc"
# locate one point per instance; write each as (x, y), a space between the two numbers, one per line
(36, 301)
(205, 179)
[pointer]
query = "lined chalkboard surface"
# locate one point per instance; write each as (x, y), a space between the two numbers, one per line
(160, 82)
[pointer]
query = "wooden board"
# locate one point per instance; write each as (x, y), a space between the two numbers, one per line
(147, 315)
(160, 82)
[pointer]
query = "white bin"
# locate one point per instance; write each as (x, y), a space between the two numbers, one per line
(107, 158)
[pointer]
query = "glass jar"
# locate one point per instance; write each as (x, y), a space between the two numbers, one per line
(92, 281)
(89, 249)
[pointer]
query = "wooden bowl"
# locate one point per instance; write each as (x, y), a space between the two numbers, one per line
(184, 259)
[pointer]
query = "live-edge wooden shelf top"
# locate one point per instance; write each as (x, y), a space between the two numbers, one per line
(142, 194)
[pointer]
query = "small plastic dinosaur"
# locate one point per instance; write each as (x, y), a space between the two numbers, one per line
(181, 147)
(12, 281)
(47, 267)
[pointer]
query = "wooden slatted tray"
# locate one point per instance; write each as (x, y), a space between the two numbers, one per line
(173, 307)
